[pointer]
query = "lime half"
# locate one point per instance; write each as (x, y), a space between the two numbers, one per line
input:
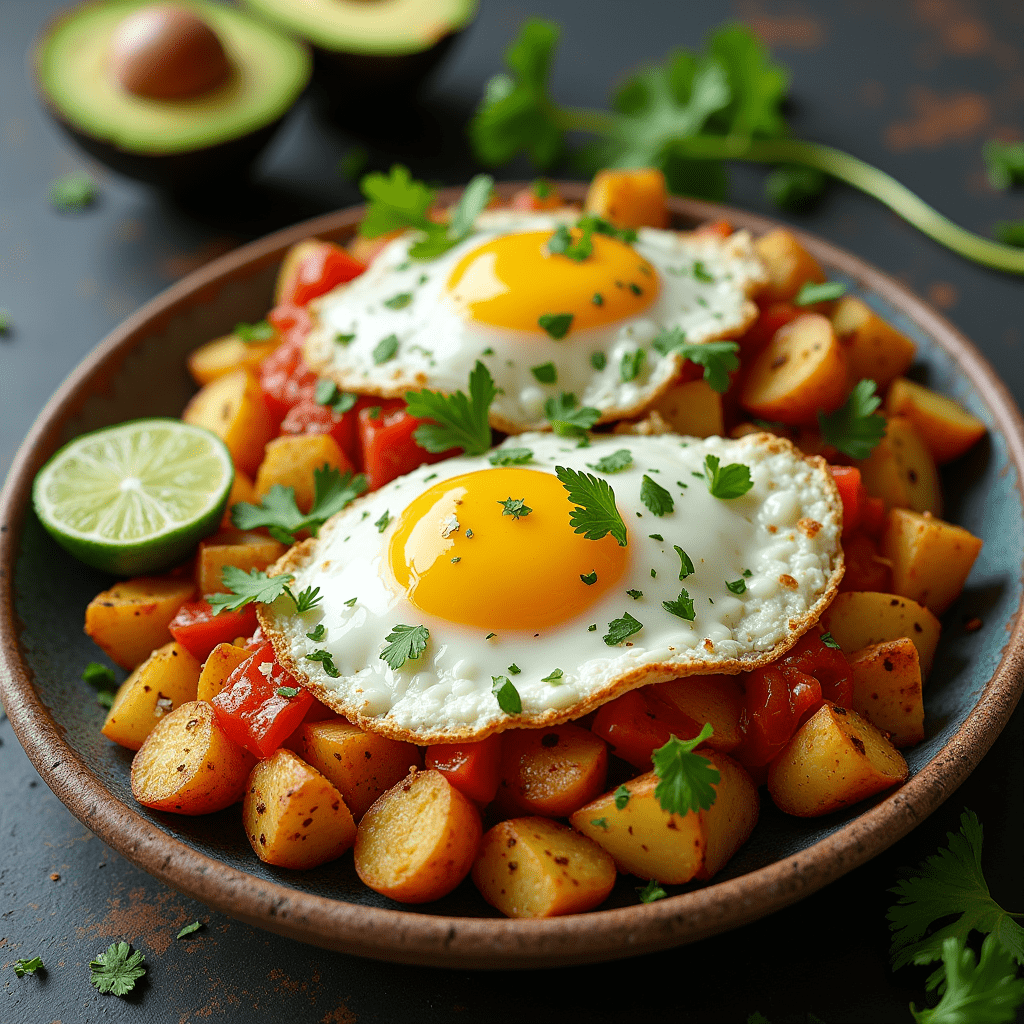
(135, 498)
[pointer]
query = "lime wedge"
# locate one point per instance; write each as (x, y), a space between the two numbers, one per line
(135, 498)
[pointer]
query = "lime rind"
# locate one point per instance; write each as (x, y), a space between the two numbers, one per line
(137, 497)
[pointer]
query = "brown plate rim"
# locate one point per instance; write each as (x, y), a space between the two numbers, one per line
(485, 943)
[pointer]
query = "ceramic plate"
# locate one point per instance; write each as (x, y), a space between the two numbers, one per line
(140, 371)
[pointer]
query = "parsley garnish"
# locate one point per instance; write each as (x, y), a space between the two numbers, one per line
(318, 633)
(685, 779)
(545, 373)
(253, 334)
(105, 698)
(291, 691)
(614, 463)
(732, 481)
(812, 292)
(244, 587)
(5, 321)
(513, 669)
(622, 796)
(681, 606)
(555, 677)
(595, 514)
(619, 629)
(328, 393)
(651, 891)
(718, 358)
(510, 456)
(631, 365)
(855, 428)
(189, 929)
(597, 300)
(656, 536)
(404, 643)
(600, 823)
(737, 587)
(332, 492)
(561, 243)
(23, 967)
(99, 676)
(829, 641)
(326, 661)
(566, 419)
(117, 970)
(72, 192)
(343, 339)
(399, 301)
(458, 421)
(385, 349)
(515, 507)
(307, 599)
(556, 324)
(701, 273)
(598, 360)
(507, 695)
(635, 594)
(590, 579)
(382, 523)
(350, 603)
(685, 565)
(655, 497)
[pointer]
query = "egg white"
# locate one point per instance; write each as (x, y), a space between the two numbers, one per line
(437, 347)
(784, 532)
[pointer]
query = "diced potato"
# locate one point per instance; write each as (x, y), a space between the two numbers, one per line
(944, 425)
(860, 618)
(729, 821)
(873, 349)
(168, 678)
(887, 690)
(714, 699)
(129, 621)
(800, 371)
(246, 550)
(693, 408)
(187, 765)
(535, 867)
(222, 661)
(790, 266)
(834, 759)
(901, 470)
(293, 816)
(930, 558)
(552, 771)
(232, 407)
(362, 765)
(629, 198)
(290, 461)
(225, 355)
(418, 840)
(242, 489)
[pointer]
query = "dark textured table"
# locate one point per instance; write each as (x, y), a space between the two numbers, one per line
(914, 88)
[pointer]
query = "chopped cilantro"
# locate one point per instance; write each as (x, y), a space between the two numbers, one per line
(600, 823)
(561, 243)
(545, 373)
(830, 641)
(620, 629)
(556, 324)
(105, 698)
(290, 691)
(701, 273)
(732, 481)
(656, 536)
(328, 393)
(72, 192)
(737, 586)
(635, 594)
(351, 602)
(590, 579)
(326, 662)
(651, 892)
(631, 365)
(855, 428)
(458, 421)
(318, 633)
(513, 669)
(718, 358)
(23, 967)
(117, 969)
(622, 796)
(592, 628)
(507, 695)
(555, 677)
(189, 929)
(812, 292)
(685, 564)
(399, 301)
(404, 643)
(598, 360)
(566, 419)
(343, 339)
(1004, 162)
(595, 514)
(614, 463)
(99, 676)
(597, 300)
(510, 456)
(252, 334)
(515, 507)
(681, 606)
(686, 780)
(747, 573)
(385, 349)
(382, 523)
(655, 497)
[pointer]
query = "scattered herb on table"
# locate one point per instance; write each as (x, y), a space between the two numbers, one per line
(73, 192)
(116, 970)
(23, 967)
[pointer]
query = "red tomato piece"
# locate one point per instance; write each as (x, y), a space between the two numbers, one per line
(252, 711)
(385, 437)
(719, 228)
(286, 380)
(851, 490)
(309, 417)
(199, 630)
(873, 516)
(292, 322)
(631, 728)
(526, 200)
(324, 267)
(472, 768)
(866, 569)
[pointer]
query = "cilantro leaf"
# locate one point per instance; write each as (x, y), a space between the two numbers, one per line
(619, 629)
(635, 594)
(622, 796)
(737, 586)
(189, 929)
(399, 301)
(812, 292)
(681, 606)
(507, 695)
(382, 523)
(686, 780)
(511, 457)
(561, 243)
(23, 967)
(72, 192)
(105, 698)
(404, 643)
(1004, 162)
(458, 421)
(598, 360)
(385, 349)
(600, 823)
(719, 358)
(631, 365)
(253, 334)
(566, 419)
(590, 578)
(306, 599)
(685, 565)
(595, 514)
(830, 641)
(245, 587)
(555, 677)
(651, 891)
(99, 676)
(317, 633)
(655, 497)
(614, 463)
(855, 428)
(556, 324)
(732, 481)
(116, 970)
(326, 662)
(545, 373)
(515, 507)
(328, 393)
(5, 321)
(795, 187)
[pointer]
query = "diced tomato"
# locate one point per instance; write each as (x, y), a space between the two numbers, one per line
(286, 380)
(873, 516)
(630, 727)
(719, 228)
(309, 417)
(526, 200)
(322, 268)
(256, 641)
(771, 318)
(199, 630)
(866, 569)
(251, 710)
(472, 768)
(293, 322)
(386, 441)
(851, 490)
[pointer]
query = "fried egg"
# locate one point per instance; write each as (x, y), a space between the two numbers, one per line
(543, 323)
(480, 558)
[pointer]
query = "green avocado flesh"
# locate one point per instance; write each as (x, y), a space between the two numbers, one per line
(270, 70)
(384, 27)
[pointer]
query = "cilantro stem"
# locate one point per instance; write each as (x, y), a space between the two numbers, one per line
(582, 119)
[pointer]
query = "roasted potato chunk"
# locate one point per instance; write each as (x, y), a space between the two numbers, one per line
(187, 764)
(535, 867)
(874, 350)
(693, 408)
(714, 699)
(245, 550)
(293, 816)
(222, 356)
(944, 425)
(790, 266)
(290, 461)
(887, 690)
(629, 198)
(901, 470)
(834, 759)
(418, 840)
(221, 662)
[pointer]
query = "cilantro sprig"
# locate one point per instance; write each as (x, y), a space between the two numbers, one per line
(595, 514)
(719, 358)
(732, 481)
(256, 586)
(855, 428)
(23, 967)
(404, 643)
(459, 421)
(568, 418)
(116, 970)
(659, 501)
(686, 780)
(614, 463)
(506, 695)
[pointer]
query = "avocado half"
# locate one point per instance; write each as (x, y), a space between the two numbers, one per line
(179, 142)
(371, 49)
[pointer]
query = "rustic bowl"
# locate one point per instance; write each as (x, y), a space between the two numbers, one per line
(140, 371)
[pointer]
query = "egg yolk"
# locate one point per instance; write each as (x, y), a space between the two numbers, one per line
(514, 280)
(458, 555)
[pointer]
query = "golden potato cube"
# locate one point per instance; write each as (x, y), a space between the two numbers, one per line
(799, 372)
(187, 764)
(245, 550)
(232, 407)
(873, 349)
(361, 765)
(729, 821)
(535, 867)
(790, 266)
(629, 198)
(293, 816)
(834, 759)
(944, 425)
(419, 840)
(221, 662)
(860, 618)
(242, 489)
(693, 408)
(129, 621)
(168, 678)
(887, 690)
(901, 470)
(930, 558)
(225, 355)
(715, 699)
(290, 461)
